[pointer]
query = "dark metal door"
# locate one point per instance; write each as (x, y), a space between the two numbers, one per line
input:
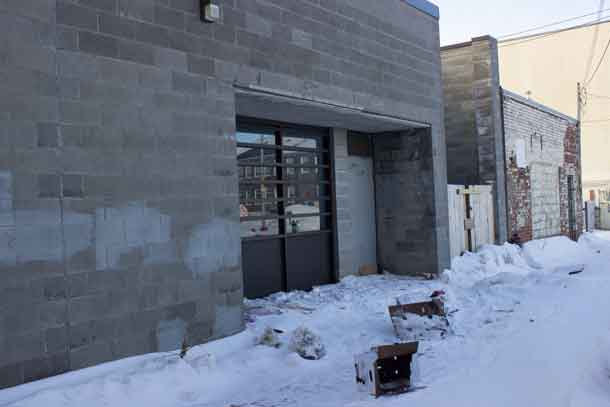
(285, 207)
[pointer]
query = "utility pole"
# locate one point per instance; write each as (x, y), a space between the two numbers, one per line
(579, 109)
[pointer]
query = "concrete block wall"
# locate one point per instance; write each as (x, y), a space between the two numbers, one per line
(405, 216)
(542, 149)
(355, 197)
(118, 186)
(117, 161)
(473, 120)
(345, 219)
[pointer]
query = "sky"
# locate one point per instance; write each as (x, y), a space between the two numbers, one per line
(462, 20)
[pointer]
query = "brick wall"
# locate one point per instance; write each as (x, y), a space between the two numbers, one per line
(118, 185)
(572, 167)
(542, 149)
(518, 187)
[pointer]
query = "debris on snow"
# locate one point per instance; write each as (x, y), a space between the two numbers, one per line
(422, 320)
(269, 338)
(307, 344)
(386, 369)
(368, 270)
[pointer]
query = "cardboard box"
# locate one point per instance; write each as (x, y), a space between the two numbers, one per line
(386, 369)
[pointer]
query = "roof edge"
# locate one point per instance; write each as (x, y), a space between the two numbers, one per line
(537, 105)
(425, 6)
(468, 43)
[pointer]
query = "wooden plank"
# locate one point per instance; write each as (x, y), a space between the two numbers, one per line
(483, 214)
(457, 215)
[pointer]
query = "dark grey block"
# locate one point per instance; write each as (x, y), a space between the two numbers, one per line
(105, 5)
(200, 66)
(56, 340)
(98, 44)
(49, 186)
(11, 375)
(48, 135)
(187, 83)
(152, 34)
(136, 52)
(54, 288)
(45, 367)
(76, 16)
(169, 17)
(66, 38)
(73, 186)
(117, 26)
(142, 10)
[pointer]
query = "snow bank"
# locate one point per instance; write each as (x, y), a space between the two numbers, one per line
(556, 254)
(489, 261)
(509, 262)
(492, 296)
(598, 241)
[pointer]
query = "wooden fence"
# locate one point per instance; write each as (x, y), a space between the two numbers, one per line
(471, 218)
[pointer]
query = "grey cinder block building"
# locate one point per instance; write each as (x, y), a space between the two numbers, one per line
(155, 167)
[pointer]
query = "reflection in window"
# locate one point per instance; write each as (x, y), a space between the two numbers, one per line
(304, 224)
(305, 161)
(281, 162)
(255, 138)
(290, 161)
(300, 142)
(267, 227)
(300, 223)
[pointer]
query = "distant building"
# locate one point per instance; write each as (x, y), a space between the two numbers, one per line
(528, 152)
(547, 67)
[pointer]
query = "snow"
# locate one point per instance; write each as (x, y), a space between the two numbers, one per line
(523, 333)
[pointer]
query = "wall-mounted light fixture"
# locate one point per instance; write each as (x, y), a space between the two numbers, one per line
(210, 12)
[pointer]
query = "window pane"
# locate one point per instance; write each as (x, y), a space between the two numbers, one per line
(256, 228)
(255, 156)
(256, 138)
(303, 137)
(251, 194)
(300, 159)
(300, 142)
(300, 225)
(302, 192)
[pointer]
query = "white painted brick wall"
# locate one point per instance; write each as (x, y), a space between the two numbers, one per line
(541, 135)
(546, 214)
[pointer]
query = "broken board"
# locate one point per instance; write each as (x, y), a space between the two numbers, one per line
(418, 321)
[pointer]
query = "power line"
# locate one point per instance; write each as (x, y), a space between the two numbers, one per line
(516, 41)
(601, 61)
(553, 24)
(597, 121)
(593, 95)
(594, 43)
(604, 124)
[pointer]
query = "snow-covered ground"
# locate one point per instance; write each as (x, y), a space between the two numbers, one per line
(524, 332)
